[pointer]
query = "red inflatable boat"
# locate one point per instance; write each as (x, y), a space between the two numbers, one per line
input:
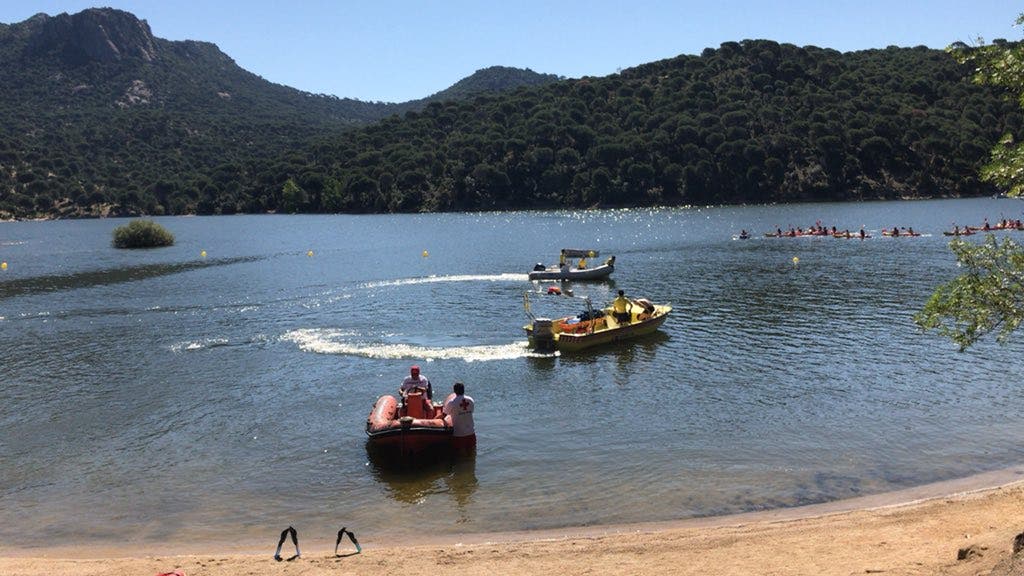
(415, 427)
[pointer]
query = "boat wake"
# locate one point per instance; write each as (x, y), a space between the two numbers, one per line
(327, 341)
(211, 343)
(507, 277)
(194, 345)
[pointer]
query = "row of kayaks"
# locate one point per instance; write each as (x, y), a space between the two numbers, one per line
(895, 232)
(1016, 225)
(801, 234)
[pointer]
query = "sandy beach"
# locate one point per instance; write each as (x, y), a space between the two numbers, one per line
(916, 531)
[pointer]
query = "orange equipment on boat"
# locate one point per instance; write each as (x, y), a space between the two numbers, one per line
(416, 426)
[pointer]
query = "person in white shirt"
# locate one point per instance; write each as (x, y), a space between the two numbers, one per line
(413, 381)
(458, 409)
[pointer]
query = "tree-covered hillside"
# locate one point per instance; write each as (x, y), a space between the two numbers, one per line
(753, 121)
(99, 116)
(495, 79)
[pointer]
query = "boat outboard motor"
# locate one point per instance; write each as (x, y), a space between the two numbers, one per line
(543, 335)
(539, 267)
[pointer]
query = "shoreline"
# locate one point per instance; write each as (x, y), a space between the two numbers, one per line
(912, 531)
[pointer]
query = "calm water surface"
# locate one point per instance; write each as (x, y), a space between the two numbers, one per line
(164, 396)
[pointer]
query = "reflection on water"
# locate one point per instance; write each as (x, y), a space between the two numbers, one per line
(91, 278)
(424, 474)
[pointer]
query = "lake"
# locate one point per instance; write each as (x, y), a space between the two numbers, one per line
(163, 396)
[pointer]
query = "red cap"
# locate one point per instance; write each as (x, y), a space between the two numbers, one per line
(414, 369)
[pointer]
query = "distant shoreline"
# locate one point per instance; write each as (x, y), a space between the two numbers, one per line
(108, 213)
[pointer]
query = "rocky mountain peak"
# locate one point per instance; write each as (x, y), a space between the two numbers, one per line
(93, 35)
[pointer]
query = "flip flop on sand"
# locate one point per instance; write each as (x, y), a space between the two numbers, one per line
(351, 536)
(295, 539)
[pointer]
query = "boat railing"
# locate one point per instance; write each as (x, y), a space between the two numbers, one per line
(589, 313)
(526, 305)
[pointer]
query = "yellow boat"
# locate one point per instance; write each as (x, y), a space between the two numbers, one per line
(594, 327)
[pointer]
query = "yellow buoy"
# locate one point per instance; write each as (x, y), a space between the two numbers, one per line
(425, 254)
(203, 253)
(796, 260)
(310, 253)
(3, 265)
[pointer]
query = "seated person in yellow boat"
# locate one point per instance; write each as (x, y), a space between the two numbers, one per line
(621, 307)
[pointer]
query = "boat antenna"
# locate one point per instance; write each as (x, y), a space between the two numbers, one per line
(526, 305)
(590, 313)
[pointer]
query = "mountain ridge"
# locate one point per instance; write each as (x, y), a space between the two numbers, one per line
(110, 120)
(96, 92)
(107, 35)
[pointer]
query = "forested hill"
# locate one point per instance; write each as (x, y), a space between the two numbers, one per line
(491, 80)
(753, 121)
(98, 116)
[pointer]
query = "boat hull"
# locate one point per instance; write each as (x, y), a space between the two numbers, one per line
(595, 273)
(611, 332)
(391, 427)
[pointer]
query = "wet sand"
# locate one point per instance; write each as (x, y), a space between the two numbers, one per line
(917, 531)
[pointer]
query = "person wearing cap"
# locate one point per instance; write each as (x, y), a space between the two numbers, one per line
(458, 411)
(413, 381)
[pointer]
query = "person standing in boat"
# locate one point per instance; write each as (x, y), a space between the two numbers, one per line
(621, 307)
(413, 381)
(459, 410)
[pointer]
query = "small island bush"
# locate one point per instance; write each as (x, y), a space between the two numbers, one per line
(142, 234)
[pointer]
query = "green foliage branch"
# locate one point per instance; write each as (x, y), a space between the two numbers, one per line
(142, 234)
(1000, 64)
(989, 297)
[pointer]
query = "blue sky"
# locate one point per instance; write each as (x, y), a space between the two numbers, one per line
(398, 50)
